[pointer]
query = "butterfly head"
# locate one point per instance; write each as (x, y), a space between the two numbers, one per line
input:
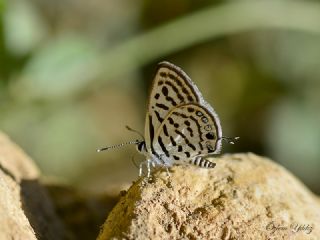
(141, 147)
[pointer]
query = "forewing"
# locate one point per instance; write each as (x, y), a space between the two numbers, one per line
(171, 88)
(189, 130)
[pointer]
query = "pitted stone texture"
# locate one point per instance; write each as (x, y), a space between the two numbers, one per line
(244, 197)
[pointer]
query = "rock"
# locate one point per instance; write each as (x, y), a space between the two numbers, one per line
(82, 213)
(26, 211)
(244, 197)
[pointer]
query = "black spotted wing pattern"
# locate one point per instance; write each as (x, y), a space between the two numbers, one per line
(188, 131)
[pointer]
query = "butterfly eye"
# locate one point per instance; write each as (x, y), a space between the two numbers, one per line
(141, 146)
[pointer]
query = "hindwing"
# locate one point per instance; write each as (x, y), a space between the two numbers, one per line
(187, 131)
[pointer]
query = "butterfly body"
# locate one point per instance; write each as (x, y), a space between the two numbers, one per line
(181, 127)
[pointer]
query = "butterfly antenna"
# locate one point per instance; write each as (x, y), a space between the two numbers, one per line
(132, 130)
(230, 140)
(118, 145)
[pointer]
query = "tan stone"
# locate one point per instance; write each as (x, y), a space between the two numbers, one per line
(244, 197)
(26, 211)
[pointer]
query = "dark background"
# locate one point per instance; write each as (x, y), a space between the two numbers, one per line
(74, 73)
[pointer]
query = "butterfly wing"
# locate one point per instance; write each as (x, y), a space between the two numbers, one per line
(173, 99)
(171, 88)
(188, 131)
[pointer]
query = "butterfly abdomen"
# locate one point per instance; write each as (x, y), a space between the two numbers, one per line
(202, 162)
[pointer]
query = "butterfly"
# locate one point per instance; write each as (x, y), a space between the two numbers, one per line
(180, 126)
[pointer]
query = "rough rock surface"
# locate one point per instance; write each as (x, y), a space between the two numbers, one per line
(26, 211)
(244, 197)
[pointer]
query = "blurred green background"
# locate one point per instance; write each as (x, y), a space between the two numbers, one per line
(74, 73)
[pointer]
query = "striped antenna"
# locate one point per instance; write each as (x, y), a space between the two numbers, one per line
(118, 145)
(230, 140)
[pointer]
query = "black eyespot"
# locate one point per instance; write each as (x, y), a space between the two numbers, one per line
(204, 119)
(209, 147)
(207, 128)
(199, 113)
(210, 135)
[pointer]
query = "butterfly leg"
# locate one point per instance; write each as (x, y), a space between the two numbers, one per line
(141, 168)
(202, 162)
(141, 173)
(165, 165)
(149, 164)
(148, 167)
